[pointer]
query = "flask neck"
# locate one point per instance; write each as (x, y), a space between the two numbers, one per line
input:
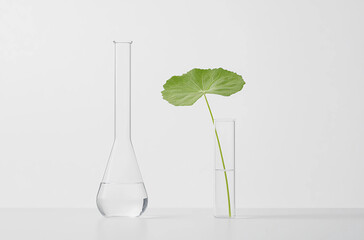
(122, 98)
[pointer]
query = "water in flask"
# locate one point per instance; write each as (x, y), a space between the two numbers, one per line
(122, 199)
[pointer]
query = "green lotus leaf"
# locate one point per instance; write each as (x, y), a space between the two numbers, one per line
(186, 89)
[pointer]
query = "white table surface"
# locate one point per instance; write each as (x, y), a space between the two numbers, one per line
(186, 224)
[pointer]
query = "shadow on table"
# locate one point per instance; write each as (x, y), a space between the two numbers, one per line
(327, 215)
(159, 217)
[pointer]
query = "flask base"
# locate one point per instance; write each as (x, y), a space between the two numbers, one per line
(122, 199)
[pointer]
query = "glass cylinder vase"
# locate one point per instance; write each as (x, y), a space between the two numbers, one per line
(122, 192)
(224, 176)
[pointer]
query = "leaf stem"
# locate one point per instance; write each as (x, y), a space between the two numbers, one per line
(222, 158)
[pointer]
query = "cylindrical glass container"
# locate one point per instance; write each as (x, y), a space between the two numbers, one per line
(122, 192)
(224, 177)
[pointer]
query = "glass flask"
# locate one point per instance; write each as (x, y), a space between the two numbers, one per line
(122, 192)
(224, 177)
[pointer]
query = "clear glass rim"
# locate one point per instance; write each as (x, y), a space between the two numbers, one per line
(225, 120)
(117, 42)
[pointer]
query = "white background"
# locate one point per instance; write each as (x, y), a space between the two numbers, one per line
(300, 116)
